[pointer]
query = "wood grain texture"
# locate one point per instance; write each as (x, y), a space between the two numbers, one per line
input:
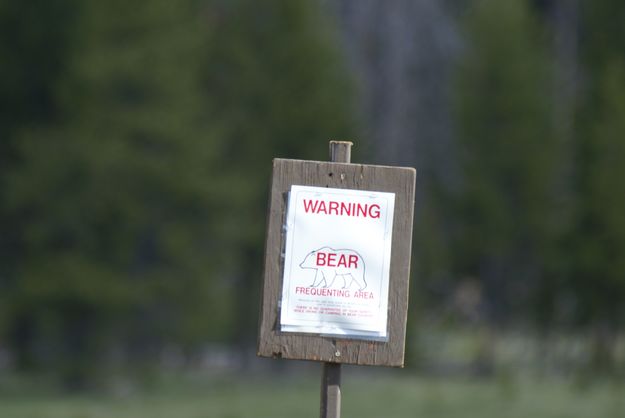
(274, 343)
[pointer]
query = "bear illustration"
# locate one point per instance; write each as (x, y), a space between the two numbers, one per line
(330, 264)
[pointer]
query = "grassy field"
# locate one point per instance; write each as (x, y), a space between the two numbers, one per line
(363, 396)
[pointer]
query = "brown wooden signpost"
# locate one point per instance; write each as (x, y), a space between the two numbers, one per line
(337, 264)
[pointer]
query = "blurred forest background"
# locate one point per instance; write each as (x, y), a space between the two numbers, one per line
(136, 141)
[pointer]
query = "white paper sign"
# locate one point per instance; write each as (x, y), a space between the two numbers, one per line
(337, 262)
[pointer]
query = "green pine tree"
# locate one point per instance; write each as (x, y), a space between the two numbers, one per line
(596, 241)
(508, 152)
(602, 261)
(32, 56)
(117, 194)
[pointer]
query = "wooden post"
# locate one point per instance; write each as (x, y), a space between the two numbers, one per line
(340, 152)
(331, 390)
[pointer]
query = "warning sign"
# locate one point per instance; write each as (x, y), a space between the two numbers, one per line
(337, 262)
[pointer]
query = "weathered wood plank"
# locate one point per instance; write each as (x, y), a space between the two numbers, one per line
(272, 342)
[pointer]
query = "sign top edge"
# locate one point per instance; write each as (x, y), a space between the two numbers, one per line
(286, 160)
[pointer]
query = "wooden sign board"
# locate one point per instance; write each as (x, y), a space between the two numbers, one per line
(395, 186)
